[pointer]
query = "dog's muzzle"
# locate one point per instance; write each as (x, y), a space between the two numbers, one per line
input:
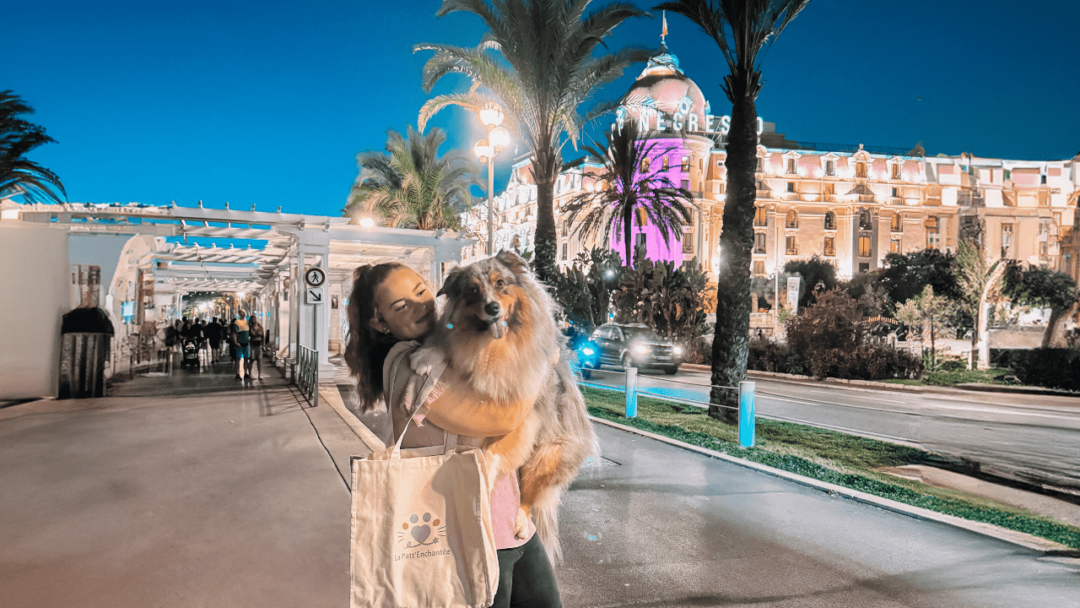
(497, 322)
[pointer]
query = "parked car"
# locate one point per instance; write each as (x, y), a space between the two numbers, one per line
(636, 346)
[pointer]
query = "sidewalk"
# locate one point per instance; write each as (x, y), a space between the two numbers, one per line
(196, 492)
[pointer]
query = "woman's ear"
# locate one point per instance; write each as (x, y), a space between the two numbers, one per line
(377, 324)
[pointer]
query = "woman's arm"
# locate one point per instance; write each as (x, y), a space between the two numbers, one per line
(462, 411)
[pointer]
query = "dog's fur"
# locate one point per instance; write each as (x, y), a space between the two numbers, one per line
(526, 361)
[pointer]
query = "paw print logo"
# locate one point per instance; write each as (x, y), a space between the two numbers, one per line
(420, 531)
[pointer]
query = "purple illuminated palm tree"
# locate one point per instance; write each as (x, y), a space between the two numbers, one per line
(741, 28)
(632, 183)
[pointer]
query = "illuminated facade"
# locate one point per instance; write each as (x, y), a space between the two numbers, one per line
(850, 205)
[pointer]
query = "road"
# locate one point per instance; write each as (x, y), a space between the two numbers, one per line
(1032, 438)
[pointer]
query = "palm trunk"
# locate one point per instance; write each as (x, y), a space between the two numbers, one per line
(731, 341)
(628, 225)
(545, 171)
(1054, 337)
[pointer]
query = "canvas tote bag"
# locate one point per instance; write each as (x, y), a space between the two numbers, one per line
(421, 528)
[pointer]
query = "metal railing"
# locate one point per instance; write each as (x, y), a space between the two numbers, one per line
(307, 374)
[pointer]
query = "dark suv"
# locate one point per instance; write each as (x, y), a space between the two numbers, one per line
(636, 346)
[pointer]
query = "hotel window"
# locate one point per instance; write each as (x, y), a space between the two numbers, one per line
(760, 217)
(791, 186)
(644, 165)
(829, 189)
(897, 223)
(792, 220)
(830, 220)
(896, 193)
(830, 168)
(759, 268)
(792, 247)
(865, 222)
(564, 252)
(759, 242)
(860, 169)
(830, 247)
(642, 216)
(933, 233)
(864, 246)
(895, 172)
(791, 168)
(666, 163)
(1006, 240)
(685, 164)
(701, 164)
(761, 164)
(688, 242)
(894, 246)
(684, 184)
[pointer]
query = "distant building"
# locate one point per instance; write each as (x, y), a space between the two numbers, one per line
(851, 205)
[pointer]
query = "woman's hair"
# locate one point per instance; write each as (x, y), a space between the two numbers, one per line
(367, 348)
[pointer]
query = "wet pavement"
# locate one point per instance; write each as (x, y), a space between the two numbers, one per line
(199, 491)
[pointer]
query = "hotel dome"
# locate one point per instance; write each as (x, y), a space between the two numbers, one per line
(664, 87)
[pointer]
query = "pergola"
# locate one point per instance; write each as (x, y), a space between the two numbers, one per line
(266, 257)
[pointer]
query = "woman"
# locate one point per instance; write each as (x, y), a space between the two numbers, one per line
(255, 349)
(240, 336)
(390, 310)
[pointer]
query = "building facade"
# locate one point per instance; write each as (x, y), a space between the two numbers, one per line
(850, 205)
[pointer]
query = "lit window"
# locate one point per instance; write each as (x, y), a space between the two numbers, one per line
(791, 166)
(897, 224)
(830, 247)
(760, 217)
(860, 169)
(894, 246)
(759, 242)
(759, 268)
(792, 247)
(792, 220)
(864, 246)
(896, 171)
(666, 163)
(685, 164)
(644, 165)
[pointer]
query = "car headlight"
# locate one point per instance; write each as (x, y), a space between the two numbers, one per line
(677, 350)
(587, 351)
(641, 349)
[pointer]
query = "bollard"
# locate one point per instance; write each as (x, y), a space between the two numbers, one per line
(631, 392)
(746, 414)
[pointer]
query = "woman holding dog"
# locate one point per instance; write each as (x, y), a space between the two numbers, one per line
(391, 310)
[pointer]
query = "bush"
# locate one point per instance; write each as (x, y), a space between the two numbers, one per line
(1047, 367)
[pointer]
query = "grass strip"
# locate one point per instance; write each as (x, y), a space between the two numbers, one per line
(829, 456)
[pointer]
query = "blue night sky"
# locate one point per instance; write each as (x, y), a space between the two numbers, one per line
(268, 103)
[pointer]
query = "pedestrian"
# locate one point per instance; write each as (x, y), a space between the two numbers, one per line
(390, 310)
(213, 336)
(172, 340)
(241, 337)
(258, 335)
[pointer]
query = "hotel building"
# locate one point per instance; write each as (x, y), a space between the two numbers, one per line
(850, 205)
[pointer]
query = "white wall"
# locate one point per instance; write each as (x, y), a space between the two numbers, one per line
(35, 276)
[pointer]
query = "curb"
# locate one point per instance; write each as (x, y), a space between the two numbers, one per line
(968, 387)
(1028, 541)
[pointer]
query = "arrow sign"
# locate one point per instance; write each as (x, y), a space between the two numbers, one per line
(315, 295)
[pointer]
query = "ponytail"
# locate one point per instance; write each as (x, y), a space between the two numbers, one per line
(366, 348)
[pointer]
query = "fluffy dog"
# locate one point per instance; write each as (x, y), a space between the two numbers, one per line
(498, 331)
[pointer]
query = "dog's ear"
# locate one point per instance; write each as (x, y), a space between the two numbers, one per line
(514, 262)
(450, 283)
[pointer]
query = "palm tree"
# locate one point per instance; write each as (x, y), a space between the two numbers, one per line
(741, 28)
(630, 182)
(544, 70)
(18, 175)
(410, 186)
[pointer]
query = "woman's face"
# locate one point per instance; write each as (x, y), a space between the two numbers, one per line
(404, 304)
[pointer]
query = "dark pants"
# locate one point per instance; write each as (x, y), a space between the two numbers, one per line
(526, 579)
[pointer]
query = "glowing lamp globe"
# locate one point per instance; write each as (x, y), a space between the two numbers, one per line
(491, 115)
(499, 137)
(482, 149)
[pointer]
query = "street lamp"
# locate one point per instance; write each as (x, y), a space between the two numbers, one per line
(486, 149)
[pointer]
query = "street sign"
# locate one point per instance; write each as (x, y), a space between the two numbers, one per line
(793, 293)
(315, 295)
(315, 277)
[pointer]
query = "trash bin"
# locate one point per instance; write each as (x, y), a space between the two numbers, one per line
(86, 336)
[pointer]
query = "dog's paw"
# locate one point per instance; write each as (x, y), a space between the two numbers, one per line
(521, 524)
(426, 359)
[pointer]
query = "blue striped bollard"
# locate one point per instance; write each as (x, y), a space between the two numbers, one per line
(746, 414)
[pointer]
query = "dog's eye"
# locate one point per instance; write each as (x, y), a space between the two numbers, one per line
(500, 284)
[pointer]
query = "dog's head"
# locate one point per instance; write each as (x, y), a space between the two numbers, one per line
(486, 295)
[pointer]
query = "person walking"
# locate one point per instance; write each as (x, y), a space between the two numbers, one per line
(258, 336)
(213, 336)
(240, 335)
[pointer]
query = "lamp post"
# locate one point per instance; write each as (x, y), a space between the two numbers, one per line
(485, 150)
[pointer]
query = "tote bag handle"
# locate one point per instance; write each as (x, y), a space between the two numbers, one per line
(449, 441)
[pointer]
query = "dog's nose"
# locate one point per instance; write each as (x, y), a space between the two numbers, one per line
(492, 308)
